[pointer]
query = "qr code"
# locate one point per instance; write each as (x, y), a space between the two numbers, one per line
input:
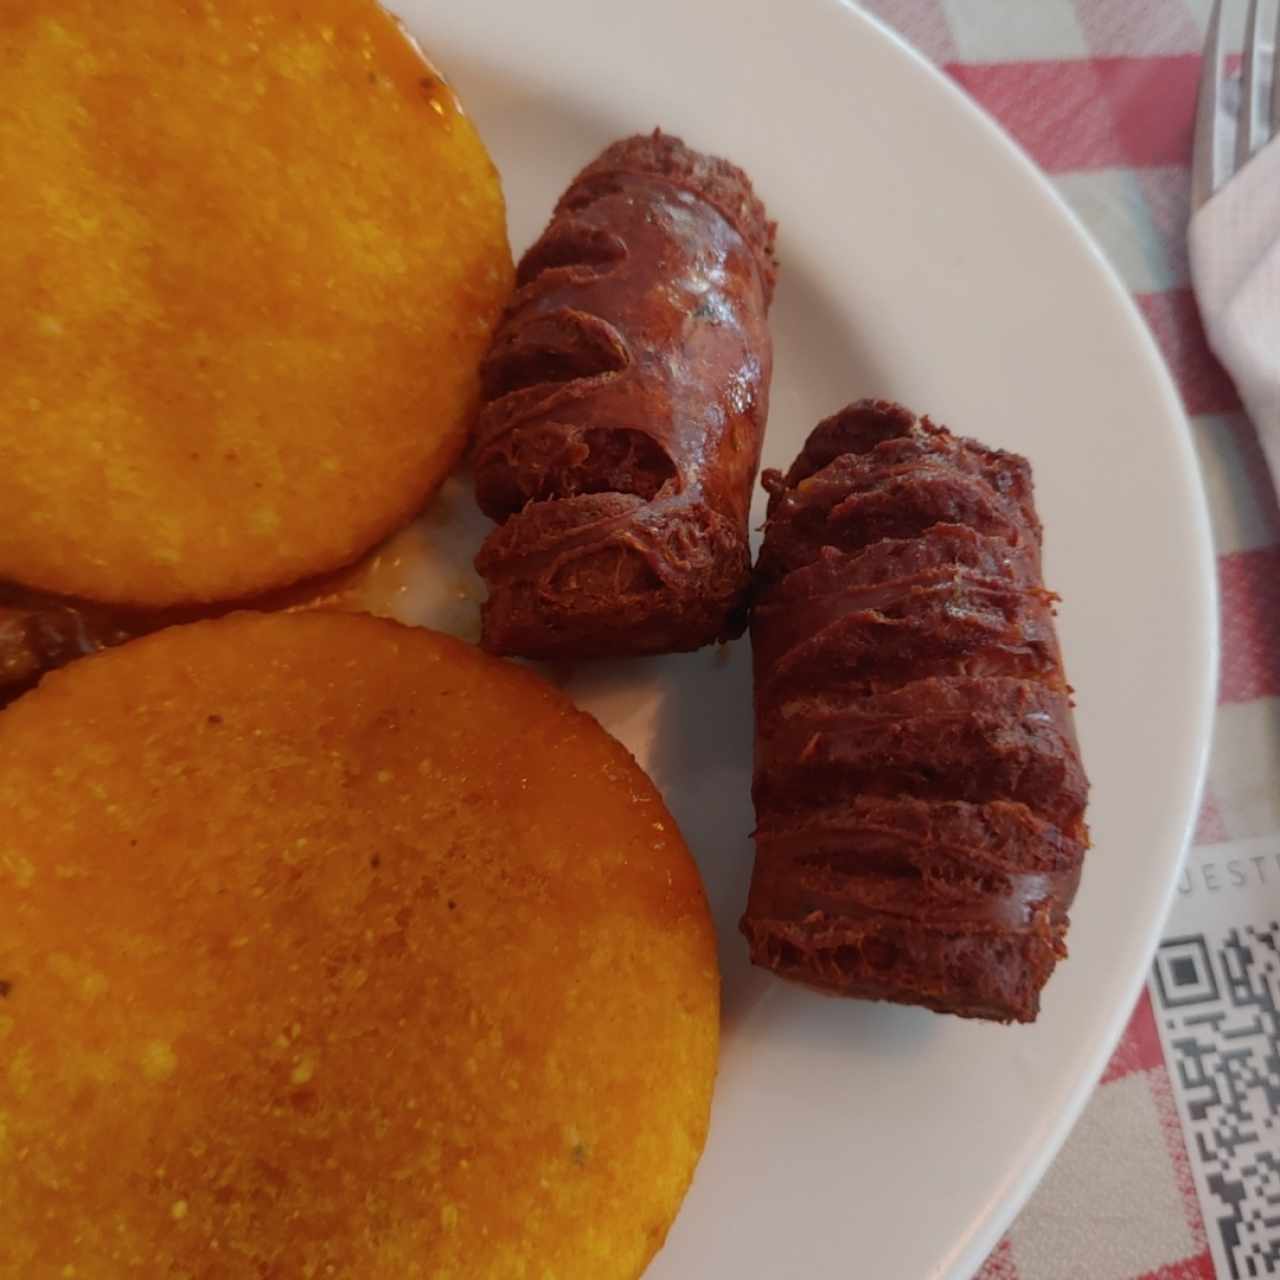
(1220, 1002)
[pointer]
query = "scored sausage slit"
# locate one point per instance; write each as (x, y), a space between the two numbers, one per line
(553, 460)
(563, 346)
(856, 429)
(954, 841)
(587, 251)
(953, 768)
(877, 650)
(1006, 476)
(588, 190)
(903, 506)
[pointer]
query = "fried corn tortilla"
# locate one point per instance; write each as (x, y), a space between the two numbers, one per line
(336, 948)
(252, 254)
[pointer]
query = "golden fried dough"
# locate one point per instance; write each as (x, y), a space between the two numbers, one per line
(333, 948)
(252, 254)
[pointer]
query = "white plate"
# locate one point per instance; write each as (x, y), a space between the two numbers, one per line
(923, 259)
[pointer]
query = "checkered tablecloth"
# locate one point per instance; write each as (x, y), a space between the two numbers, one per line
(1173, 1172)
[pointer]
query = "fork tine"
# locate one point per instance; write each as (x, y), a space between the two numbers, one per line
(1275, 80)
(1205, 158)
(1247, 140)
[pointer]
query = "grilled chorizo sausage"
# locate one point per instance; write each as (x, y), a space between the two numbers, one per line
(919, 793)
(625, 399)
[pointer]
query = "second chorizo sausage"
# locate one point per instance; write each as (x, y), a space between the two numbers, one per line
(625, 402)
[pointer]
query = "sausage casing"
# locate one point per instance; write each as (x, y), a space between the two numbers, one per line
(626, 394)
(919, 793)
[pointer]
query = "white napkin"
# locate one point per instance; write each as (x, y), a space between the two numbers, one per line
(1235, 268)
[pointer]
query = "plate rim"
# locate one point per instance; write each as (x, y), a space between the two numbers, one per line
(1024, 1180)
(958, 1255)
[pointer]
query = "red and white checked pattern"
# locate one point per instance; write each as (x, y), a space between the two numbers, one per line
(1101, 94)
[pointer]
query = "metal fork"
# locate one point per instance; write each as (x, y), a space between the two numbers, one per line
(1214, 159)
